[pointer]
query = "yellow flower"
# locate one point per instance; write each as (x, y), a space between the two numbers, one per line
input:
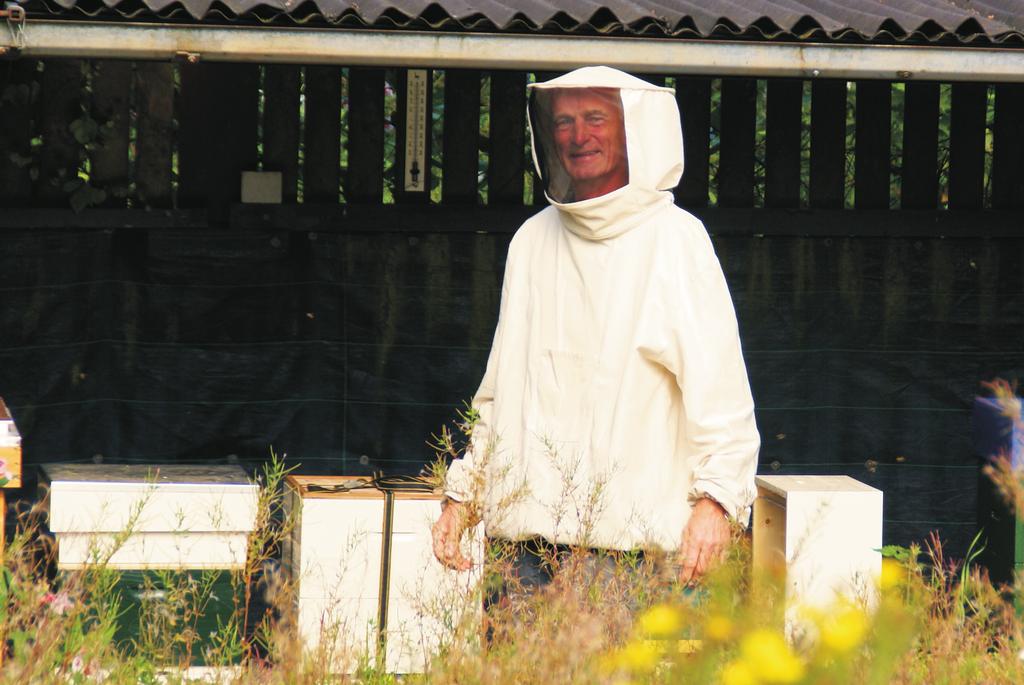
(770, 658)
(661, 621)
(738, 673)
(610, 663)
(718, 628)
(640, 655)
(845, 630)
(894, 574)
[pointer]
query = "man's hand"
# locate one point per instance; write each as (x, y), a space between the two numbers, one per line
(447, 534)
(705, 538)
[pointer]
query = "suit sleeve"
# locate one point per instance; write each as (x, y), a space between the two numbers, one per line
(704, 353)
(467, 476)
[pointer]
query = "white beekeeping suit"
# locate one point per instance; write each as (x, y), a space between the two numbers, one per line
(615, 393)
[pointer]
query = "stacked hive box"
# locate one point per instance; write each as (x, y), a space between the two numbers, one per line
(337, 559)
(10, 451)
(10, 462)
(822, 534)
(144, 520)
(175, 517)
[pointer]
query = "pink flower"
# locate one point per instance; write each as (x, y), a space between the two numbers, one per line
(79, 665)
(59, 602)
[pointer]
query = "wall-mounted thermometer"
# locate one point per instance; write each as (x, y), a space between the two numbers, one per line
(417, 173)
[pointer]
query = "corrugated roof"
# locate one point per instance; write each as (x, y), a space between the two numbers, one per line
(873, 20)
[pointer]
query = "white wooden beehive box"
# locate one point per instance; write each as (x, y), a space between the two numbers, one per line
(334, 557)
(150, 517)
(823, 533)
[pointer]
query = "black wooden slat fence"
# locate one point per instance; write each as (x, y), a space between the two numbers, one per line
(828, 141)
(782, 143)
(281, 126)
(920, 180)
(855, 337)
(154, 149)
(365, 180)
(59, 105)
(240, 99)
(322, 170)
(738, 128)
(111, 88)
(16, 81)
(201, 145)
(693, 93)
(507, 156)
(967, 146)
(161, 143)
(873, 144)
(1008, 149)
(461, 136)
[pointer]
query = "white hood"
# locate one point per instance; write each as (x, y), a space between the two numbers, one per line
(654, 146)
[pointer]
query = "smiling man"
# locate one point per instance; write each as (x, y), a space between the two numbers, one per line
(590, 139)
(615, 411)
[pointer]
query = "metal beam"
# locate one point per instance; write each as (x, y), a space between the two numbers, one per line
(48, 38)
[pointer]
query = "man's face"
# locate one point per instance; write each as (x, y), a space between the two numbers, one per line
(590, 139)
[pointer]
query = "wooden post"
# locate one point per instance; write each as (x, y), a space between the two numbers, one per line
(505, 173)
(967, 145)
(217, 137)
(782, 143)
(693, 94)
(16, 81)
(874, 137)
(112, 85)
(60, 104)
(461, 144)
(919, 187)
(154, 97)
(322, 170)
(828, 144)
(365, 181)
(1008, 147)
(281, 126)
(737, 135)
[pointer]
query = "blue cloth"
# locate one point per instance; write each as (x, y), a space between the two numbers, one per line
(995, 433)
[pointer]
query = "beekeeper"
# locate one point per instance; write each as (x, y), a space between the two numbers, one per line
(615, 411)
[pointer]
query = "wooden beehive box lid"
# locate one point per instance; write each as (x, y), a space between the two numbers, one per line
(781, 486)
(149, 498)
(144, 475)
(308, 487)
